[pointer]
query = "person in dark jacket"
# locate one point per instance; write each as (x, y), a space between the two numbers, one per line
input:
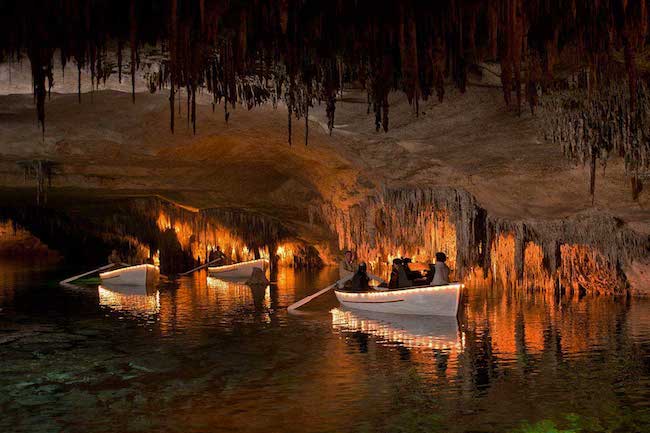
(394, 274)
(360, 280)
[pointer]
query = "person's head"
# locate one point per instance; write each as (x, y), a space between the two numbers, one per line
(348, 256)
(362, 267)
(218, 248)
(441, 257)
(397, 263)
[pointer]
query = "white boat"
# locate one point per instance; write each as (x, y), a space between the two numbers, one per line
(140, 275)
(238, 270)
(419, 300)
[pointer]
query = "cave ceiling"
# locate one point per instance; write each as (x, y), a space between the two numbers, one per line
(303, 52)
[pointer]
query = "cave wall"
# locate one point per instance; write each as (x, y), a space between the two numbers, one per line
(585, 253)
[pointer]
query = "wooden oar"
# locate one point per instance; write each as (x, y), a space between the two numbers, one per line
(76, 277)
(205, 265)
(310, 298)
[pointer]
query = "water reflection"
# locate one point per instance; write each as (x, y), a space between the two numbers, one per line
(409, 331)
(214, 355)
(138, 301)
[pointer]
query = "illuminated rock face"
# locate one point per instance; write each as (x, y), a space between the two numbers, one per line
(138, 230)
(18, 243)
(377, 65)
(576, 255)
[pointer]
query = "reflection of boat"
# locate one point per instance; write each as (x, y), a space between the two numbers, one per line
(420, 300)
(140, 275)
(234, 295)
(134, 299)
(438, 332)
(238, 270)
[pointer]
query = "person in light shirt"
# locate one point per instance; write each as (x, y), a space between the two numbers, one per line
(348, 266)
(441, 276)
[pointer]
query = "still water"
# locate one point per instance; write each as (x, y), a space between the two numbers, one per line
(202, 355)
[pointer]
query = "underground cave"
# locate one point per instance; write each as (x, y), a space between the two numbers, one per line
(324, 216)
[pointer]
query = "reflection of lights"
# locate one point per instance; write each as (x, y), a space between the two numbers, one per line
(445, 336)
(380, 294)
(136, 303)
(285, 252)
(216, 283)
(233, 296)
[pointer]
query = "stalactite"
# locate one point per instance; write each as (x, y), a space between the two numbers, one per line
(306, 124)
(289, 125)
(133, 41)
(419, 222)
(39, 72)
(248, 53)
(42, 171)
(119, 61)
(240, 235)
(591, 126)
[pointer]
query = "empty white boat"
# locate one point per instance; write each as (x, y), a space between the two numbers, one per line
(420, 300)
(140, 275)
(238, 270)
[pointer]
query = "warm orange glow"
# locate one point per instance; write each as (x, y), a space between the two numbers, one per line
(587, 268)
(420, 238)
(131, 301)
(285, 253)
(502, 256)
(202, 236)
(443, 337)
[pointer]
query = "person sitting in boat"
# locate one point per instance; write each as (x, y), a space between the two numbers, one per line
(403, 279)
(360, 281)
(393, 283)
(347, 267)
(411, 274)
(216, 255)
(415, 277)
(441, 276)
(431, 273)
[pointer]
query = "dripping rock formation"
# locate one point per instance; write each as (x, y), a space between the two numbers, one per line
(514, 134)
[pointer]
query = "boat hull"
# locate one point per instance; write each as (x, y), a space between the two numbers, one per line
(238, 270)
(140, 275)
(419, 300)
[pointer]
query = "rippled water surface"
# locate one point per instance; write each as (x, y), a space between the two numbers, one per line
(203, 355)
